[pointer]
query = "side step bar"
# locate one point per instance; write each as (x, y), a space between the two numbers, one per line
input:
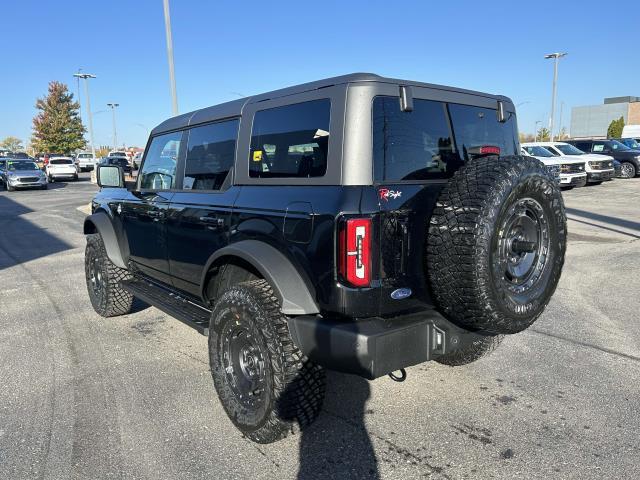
(170, 303)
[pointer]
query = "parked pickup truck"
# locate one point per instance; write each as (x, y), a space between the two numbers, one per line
(571, 171)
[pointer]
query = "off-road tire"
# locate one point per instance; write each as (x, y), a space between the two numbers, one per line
(472, 352)
(292, 388)
(108, 298)
(467, 244)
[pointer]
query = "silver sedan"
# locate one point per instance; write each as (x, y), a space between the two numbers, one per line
(22, 174)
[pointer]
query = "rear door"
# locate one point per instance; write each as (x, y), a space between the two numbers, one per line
(414, 154)
(144, 209)
(199, 215)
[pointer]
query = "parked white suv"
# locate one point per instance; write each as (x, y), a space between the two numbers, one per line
(86, 161)
(572, 170)
(598, 167)
(61, 168)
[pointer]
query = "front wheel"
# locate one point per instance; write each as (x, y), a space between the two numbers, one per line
(627, 170)
(107, 296)
(265, 384)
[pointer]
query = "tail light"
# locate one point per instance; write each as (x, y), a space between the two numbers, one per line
(354, 251)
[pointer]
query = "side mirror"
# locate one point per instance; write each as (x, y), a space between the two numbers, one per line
(110, 176)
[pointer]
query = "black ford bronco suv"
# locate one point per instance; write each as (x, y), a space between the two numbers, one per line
(360, 223)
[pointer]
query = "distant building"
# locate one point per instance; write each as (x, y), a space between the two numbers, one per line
(593, 120)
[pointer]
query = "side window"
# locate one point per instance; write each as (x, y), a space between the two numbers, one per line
(413, 145)
(475, 127)
(584, 146)
(290, 141)
(210, 153)
(598, 147)
(159, 168)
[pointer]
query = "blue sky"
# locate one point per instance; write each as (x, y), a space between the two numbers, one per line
(223, 49)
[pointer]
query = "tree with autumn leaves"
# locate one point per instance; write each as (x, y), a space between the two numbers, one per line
(57, 126)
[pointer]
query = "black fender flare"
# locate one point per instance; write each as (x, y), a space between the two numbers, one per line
(295, 294)
(100, 222)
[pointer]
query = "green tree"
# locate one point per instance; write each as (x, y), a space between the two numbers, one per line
(57, 127)
(543, 135)
(615, 128)
(12, 144)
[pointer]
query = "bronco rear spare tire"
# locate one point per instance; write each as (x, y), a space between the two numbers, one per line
(496, 244)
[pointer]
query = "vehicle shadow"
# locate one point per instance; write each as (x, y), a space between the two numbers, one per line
(619, 222)
(22, 240)
(338, 445)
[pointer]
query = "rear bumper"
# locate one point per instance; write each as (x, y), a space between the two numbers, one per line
(374, 347)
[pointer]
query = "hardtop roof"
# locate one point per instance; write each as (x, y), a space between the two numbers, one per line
(234, 108)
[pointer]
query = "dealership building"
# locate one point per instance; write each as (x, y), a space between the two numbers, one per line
(593, 120)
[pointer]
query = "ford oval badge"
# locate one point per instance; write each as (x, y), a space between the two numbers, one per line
(401, 293)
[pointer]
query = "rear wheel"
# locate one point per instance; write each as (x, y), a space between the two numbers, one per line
(496, 244)
(472, 352)
(265, 384)
(103, 278)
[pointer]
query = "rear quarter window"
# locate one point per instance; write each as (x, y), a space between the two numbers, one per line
(291, 141)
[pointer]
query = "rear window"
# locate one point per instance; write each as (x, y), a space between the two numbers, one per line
(85, 155)
(433, 140)
(61, 162)
(291, 141)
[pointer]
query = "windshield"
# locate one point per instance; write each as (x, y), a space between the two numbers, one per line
(538, 151)
(60, 162)
(15, 166)
(567, 149)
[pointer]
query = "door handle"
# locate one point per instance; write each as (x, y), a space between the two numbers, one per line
(213, 221)
(157, 215)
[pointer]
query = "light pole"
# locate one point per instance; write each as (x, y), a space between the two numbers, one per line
(115, 135)
(535, 130)
(87, 76)
(560, 122)
(556, 57)
(78, 92)
(172, 76)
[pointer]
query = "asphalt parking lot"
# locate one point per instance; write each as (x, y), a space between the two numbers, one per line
(131, 397)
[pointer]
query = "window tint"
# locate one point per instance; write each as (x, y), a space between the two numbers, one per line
(159, 167)
(210, 154)
(475, 127)
(291, 141)
(584, 146)
(420, 145)
(413, 145)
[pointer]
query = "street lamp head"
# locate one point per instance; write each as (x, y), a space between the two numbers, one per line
(84, 75)
(113, 105)
(556, 55)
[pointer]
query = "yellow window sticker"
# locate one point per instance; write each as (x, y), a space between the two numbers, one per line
(257, 156)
